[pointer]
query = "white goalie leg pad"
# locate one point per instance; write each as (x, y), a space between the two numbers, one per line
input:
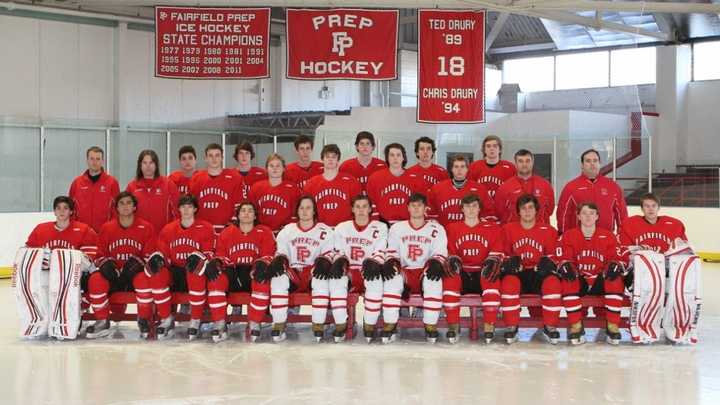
(30, 283)
(682, 308)
(648, 296)
(65, 302)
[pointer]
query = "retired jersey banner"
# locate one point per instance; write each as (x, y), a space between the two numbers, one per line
(212, 43)
(342, 44)
(451, 66)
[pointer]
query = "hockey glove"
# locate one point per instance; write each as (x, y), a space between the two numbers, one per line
(321, 269)
(511, 265)
(390, 268)
(278, 266)
(566, 271)
(339, 268)
(213, 269)
(434, 270)
(371, 269)
(261, 271)
(155, 263)
(546, 267)
(491, 268)
(109, 270)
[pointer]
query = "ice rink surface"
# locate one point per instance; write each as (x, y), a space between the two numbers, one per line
(123, 370)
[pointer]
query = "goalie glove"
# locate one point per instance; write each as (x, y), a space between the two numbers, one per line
(155, 263)
(390, 268)
(546, 267)
(213, 269)
(566, 271)
(339, 268)
(321, 268)
(614, 270)
(435, 270)
(109, 270)
(278, 266)
(511, 265)
(371, 269)
(491, 268)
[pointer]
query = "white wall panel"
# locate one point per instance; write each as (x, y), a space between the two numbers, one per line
(19, 79)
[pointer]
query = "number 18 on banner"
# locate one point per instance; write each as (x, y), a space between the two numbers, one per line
(451, 66)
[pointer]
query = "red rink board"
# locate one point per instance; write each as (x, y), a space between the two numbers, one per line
(212, 43)
(451, 66)
(342, 44)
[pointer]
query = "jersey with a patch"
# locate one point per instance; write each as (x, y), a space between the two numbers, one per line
(491, 176)
(358, 243)
(430, 175)
(333, 197)
(119, 244)
(237, 247)
(303, 246)
(77, 236)
(389, 194)
(415, 246)
(445, 201)
(177, 243)
(275, 204)
(590, 255)
(362, 173)
(217, 196)
(156, 200)
(530, 244)
(473, 244)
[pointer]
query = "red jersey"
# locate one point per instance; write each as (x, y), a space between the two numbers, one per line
(297, 174)
(333, 197)
(181, 181)
(217, 196)
(389, 194)
(362, 173)
(157, 200)
(430, 176)
(530, 244)
(491, 176)
(77, 235)
(473, 244)
(254, 175)
(236, 247)
(119, 244)
(590, 255)
(506, 197)
(275, 204)
(445, 203)
(94, 200)
(636, 231)
(602, 191)
(177, 243)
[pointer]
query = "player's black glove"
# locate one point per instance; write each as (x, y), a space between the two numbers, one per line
(434, 270)
(390, 268)
(339, 267)
(213, 269)
(454, 266)
(546, 267)
(278, 266)
(194, 262)
(511, 265)
(566, 271)
(155, 263)
(109, 270)
(84, 279)
(261, 271)
(371, 269)
(132, 266)
(321, 268)
(491, 268)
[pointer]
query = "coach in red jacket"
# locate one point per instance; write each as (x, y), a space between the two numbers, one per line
(93, 191)
(591, 186)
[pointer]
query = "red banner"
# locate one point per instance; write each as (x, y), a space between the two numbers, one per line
(212, 43)
(342, 44)
(451, 66)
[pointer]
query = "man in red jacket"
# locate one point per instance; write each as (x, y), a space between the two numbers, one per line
(93, 191)
(524, 183)
(591, 186)
(157, 195)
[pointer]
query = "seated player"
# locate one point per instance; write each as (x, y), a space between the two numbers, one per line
(123, 245)
(275, 198)
(184, 246)
(529, 268)
(301, 263)
(589, 265)
(476, 246)
(243, 254)
(445, 196)
(415, 262)
(358, 242)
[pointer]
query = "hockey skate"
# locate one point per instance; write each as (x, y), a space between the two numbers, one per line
(278, 332)
(511, 335)
(254, 332)
(389, 333)
(369, 332)
(453, 333)
(220, 331)
(612, 334)
(144, 328)
(194, 329)
(550, 334)
(489, 333)
(576, 334)
(339, 333)
(318, 332)
(431, 333)
(166, 328)
(101, 328)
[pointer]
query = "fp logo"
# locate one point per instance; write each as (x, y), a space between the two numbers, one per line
(341, 41)
(163, 15)
(356, 253)
(303, 254)
(414, 251)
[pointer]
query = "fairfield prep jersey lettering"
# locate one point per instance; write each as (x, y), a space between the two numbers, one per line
(358, 243)
(275, 204)
(515, 187)
(605, 193)
(445, 201)
(177, 243)
(237, 247)
(77, 236)
(430, 175)
(491, 176)
(590, 255)
(252, 176)
(297, 174)
(303, 246)
(119, 244)
(415, 246)
(333, 197)
(181, 181)
(473, 244)
(530, 244)
(217, 196)
(362, 173)
(636, 231)
(94, 200)
(390, 194)
(157, 200)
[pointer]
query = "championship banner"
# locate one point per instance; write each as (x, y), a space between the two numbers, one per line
(342, 44)
(212, 43)
(451, 66)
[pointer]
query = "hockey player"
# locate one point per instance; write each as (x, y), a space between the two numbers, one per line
(529, 268)
(445, 197)
(477, 247)
(491, 171)
(362, 166)
(185, 246)
(243, 254)
(359, 246)
(123, 244)
(430, 173)
(525, 182)
(415, 262)
(157, 196)
(589, 265)
(244, 154)
(591, 186)
(390, 189)
(275, 198)
(304, 168)
(301, 262)
(217, 190)
(93, 191)
(332, 190)
(64, 232)
(188, 163)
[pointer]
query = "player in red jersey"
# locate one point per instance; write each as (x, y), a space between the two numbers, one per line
(185, 245)
(188, 161)
(525, 182)
(529, 268)
(93, 191)
(390, 189)
(244, 154)
(589, 265)
(157, 195)
(444, 198)
(591, 186)
(430, 173)
(304, 168)
(275, 198)
(333, 191)
(123, 245)
(478, 246)
(362, 166)
(651, 231)
(491, 171)
(218, 190)
(244, 252)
